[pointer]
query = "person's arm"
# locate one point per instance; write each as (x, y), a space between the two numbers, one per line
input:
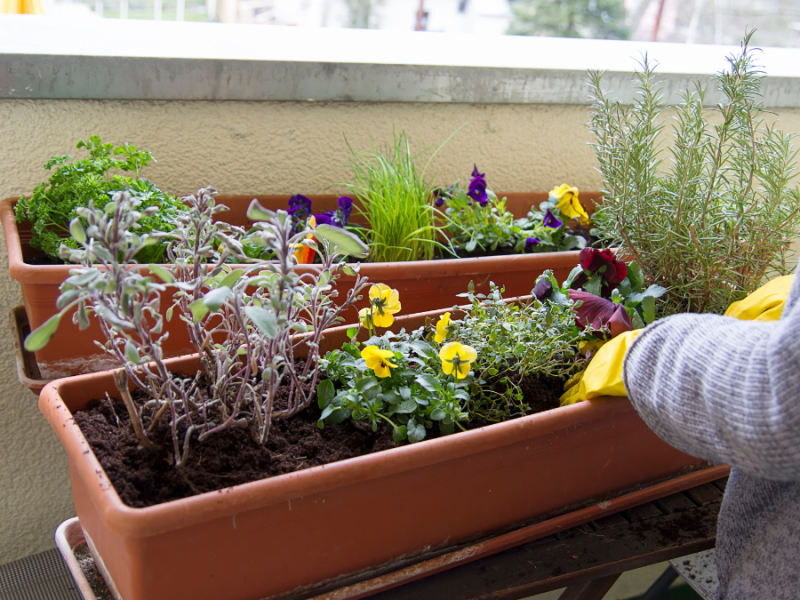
(722, 389)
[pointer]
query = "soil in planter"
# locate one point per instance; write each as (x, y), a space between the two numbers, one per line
(232, 457)
(540, 394)
(93, 576)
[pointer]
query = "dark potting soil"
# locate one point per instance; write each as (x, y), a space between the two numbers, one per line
(540, 393)
(232, 457)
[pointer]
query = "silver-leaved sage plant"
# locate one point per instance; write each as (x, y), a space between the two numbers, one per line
(248, 324)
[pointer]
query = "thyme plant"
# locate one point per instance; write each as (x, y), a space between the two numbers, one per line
(719, 219)
(514, 341)
(247, 324)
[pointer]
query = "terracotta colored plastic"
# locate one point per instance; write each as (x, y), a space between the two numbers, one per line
(27, 368)
(295, 530)
(442, 562)
(423, 285)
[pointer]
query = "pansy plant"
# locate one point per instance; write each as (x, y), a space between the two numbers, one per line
(602, 274)
(398, 379)
(547, 229)
(476, 218)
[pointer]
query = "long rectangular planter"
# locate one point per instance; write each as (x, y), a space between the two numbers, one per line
(295, 530)
(69, 534)
(423, 285)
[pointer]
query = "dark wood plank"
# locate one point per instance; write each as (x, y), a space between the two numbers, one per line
(721, 483)
(577, 557)
(643, 512)
(675, 503)
(704, 494)
(616, 520)
(591, 590)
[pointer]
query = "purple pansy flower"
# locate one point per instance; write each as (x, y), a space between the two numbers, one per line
(600, 313)
(299, 206)
(530, 243)
(345, 207)
(550, 220)
(299, 209)
(438, 197)
(543, 289)
(325, 219)
(477, 187)
(338, 217)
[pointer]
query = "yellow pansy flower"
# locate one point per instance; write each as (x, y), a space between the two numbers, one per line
(378, 360)
(385, 304)
(441, 328)
(457, 357)
(365, 316)
(568, 203)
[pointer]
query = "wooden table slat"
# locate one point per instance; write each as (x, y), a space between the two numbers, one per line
(705, 494)
(721, 483)
(675, 503)
(643, 512)
(575, 558)
(615, 520)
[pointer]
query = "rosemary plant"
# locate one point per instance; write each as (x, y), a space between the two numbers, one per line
(247, 324)
(720, 218)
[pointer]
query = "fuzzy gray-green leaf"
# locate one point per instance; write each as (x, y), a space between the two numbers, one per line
(39, 338)
(264, 319)
(343, 241)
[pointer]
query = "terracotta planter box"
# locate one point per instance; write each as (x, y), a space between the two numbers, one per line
(423, 285)
(296, 530)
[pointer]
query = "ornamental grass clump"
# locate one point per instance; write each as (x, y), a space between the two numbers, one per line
(719, 219)
(249, 325)
(396, 200)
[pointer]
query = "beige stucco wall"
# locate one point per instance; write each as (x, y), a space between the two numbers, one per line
(246, 147)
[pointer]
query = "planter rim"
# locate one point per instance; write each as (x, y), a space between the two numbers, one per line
(23, 272)
(143, 522)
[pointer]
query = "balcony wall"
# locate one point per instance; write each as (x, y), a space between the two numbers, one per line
(265, 110)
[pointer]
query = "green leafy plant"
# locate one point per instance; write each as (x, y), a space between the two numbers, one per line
(476, 217)
(410, 392)
(396, 200)
(73, 185)
(515, 341)
(720, 219)
(247, 325)
(478, 220)
(546, 230)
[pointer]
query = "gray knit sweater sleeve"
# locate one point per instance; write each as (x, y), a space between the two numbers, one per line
(722, 389)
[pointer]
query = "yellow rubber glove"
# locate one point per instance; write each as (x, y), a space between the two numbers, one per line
(765, 304)
(603, 376)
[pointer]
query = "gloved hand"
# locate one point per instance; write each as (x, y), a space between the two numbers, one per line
(765, 304)
(603, 376)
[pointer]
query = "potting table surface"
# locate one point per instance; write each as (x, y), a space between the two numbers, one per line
(586, 560)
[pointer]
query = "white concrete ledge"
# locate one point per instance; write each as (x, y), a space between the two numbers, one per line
(43, 58)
